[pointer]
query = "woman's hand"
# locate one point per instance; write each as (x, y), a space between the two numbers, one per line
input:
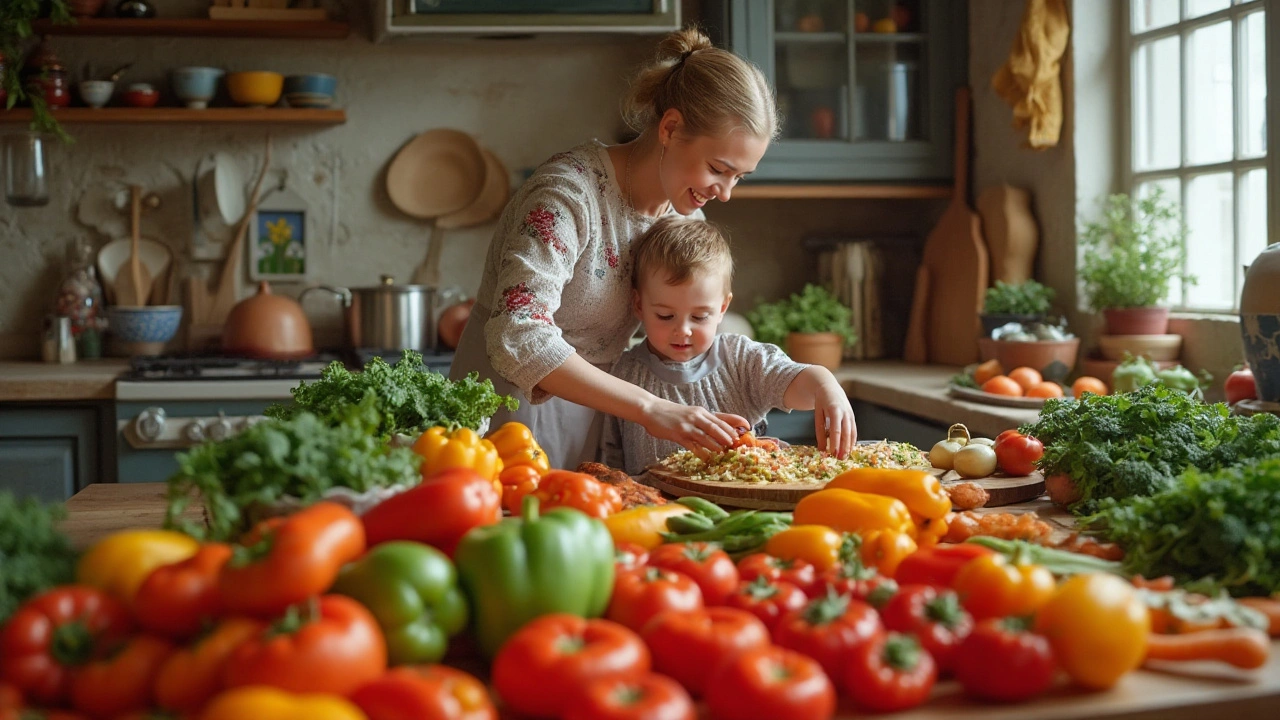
(694, 428)
(833, 422)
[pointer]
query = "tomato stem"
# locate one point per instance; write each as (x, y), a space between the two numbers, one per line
(629, 695)
(827, 609)
(761, 588)
(901, 652)
(72, 644)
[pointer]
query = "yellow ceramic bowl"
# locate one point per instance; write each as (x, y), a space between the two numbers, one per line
(255, 89)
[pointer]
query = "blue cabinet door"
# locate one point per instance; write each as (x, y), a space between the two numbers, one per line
(50, 452)
(862, 98)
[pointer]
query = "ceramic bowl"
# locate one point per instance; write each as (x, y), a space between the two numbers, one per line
(312, 90)
(152, 324)
(1054, 359)
(196, 86)
(255, 89)
(96, 93)
(1154, 347)
(141, 95)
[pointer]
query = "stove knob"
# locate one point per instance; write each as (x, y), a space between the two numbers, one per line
(150, 424)
(194, 431)
(219, 429)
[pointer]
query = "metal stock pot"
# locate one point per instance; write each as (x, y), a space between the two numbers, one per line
(389, 316)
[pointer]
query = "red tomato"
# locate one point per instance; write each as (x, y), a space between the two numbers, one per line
(800, 573)
(690, 646)
(1000, 660)
(827, 629)
(426, 692)
(1241, 385)
(177, 600)
(1017, 454)
(629, 556)
(648, 697)
(121, 683)
(771, 683)
(708, 565)
(1005, 434)
(890, 673)
(934, 617)
(540, 669)
(767, 599)
(856, 580)
(640, 594)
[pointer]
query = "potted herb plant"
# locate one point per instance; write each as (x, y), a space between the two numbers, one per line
(1024, 303)
(1130, 256)
(812, 326)
(16, 20)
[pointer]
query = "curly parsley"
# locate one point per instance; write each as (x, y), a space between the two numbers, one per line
(34, 555)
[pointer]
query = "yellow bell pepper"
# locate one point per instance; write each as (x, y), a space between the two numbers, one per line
(516, 447)
(267, 703)
(462, 448)
(920, 491)
(930, 531)
(121, 561)
(818, 545)
(643, 525)
(857, 512)
(884, 550)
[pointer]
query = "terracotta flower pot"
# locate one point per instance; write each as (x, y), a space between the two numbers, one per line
(825, 349)
(1137, 321)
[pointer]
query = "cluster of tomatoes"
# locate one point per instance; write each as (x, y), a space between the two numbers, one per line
(1028, 382)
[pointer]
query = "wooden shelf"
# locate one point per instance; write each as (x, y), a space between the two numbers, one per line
(200, 27)
(843, 192)
(179, 116)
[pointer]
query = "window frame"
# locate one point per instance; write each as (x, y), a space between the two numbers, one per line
(1237, 166)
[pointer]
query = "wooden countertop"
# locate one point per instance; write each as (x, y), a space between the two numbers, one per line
(1192, 691)
(41, 382)
(921, 390)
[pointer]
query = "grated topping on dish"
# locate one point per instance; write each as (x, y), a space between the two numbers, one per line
(795, 465)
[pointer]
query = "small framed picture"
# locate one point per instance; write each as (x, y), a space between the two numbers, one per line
(280, 238)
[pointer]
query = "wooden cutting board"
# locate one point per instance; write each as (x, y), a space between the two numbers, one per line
(1004, 490)
(1010, 232)
(957, 265)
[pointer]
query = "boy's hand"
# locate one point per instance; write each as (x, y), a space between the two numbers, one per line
(833, 421)
(694, 428)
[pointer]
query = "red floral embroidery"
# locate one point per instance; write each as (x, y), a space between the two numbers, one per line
(540, 224)
(611, 256)
(520, 301)
(573, 162)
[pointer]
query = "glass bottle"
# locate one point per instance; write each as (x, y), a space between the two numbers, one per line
(26, 175)
(80, 298)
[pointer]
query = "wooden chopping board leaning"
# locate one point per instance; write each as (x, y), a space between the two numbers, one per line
(952, 280)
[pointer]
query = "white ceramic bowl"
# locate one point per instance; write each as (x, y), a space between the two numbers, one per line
(96, 93)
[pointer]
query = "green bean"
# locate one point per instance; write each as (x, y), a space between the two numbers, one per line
(689, 523)
(703, 507)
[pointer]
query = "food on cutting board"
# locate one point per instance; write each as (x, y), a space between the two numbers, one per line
(633, 494)
(791, 466)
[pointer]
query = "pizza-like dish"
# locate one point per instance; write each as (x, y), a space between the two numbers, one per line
(792, 465)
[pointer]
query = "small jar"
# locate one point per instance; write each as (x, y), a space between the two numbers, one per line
(80, 299)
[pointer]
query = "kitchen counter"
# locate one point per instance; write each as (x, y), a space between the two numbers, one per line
(921, 390)
(1191, 692)
(45, 382)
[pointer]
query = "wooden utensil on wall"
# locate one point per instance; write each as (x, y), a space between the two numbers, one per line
(957, 267)
(133, 282)
(1010, 231)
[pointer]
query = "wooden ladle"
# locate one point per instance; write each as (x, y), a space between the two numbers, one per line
(133, 283)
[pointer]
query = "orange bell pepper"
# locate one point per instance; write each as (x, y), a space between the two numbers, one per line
(884, 550)
(993, 587)
(563, 488)
(818, 545)
(517, 481)
(516, 447)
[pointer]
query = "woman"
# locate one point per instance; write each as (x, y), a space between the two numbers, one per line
(553, 310)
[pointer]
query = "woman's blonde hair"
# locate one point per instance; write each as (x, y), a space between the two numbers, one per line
(681, 247)
(715, 90)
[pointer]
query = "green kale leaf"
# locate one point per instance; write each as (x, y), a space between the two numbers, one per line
(34, 555)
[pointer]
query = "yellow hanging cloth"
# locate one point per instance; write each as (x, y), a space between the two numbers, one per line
(1029, 80)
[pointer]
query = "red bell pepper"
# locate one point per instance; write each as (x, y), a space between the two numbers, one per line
(933, 616)
(938, 565)
(437, 512)
(178, 600)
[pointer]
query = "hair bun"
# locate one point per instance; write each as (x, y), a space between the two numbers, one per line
(680, 44)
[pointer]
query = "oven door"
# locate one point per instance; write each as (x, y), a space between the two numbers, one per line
(150, 434)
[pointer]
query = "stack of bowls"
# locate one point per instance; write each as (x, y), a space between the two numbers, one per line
(310, 90)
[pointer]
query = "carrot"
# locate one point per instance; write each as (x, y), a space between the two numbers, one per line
(1267, 606)
(1242, 647)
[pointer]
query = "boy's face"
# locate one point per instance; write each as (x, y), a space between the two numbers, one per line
(681, 320)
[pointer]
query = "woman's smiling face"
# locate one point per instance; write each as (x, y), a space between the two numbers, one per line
(697, 169)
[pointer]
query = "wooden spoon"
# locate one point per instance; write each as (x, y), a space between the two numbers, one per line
(133, 283)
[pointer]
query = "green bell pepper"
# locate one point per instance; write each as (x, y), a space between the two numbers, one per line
(527, 566)
(412, 591)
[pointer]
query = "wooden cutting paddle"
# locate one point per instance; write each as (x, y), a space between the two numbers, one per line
(133, 282)
(1010, 231)
(955, 257)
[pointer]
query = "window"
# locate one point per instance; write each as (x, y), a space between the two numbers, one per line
(1198, 130)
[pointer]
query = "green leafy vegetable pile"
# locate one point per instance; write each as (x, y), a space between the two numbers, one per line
(34, 555)
(1137, 444)
(408, 398)
(1210, 531)
(1028, 298)
(299, 457)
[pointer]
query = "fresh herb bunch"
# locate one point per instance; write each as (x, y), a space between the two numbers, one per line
(16, 18)
(1210, 530)
(1130, 256)
(1138, 443)
(300, 457)
(408, 398)
(1028, 298)
(812, 310)
(34, 555)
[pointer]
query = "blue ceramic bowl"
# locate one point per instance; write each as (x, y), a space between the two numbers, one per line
(196, 86)
(312, 90)
(152, 324)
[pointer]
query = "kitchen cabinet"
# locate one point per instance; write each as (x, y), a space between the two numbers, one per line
(53, 451)
(409, 18)
(865, 87)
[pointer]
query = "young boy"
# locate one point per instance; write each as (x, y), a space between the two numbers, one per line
(681, 271)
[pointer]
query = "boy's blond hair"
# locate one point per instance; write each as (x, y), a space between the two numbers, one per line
(681, 247)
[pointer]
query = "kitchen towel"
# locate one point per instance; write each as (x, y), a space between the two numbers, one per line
(1029, 80)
